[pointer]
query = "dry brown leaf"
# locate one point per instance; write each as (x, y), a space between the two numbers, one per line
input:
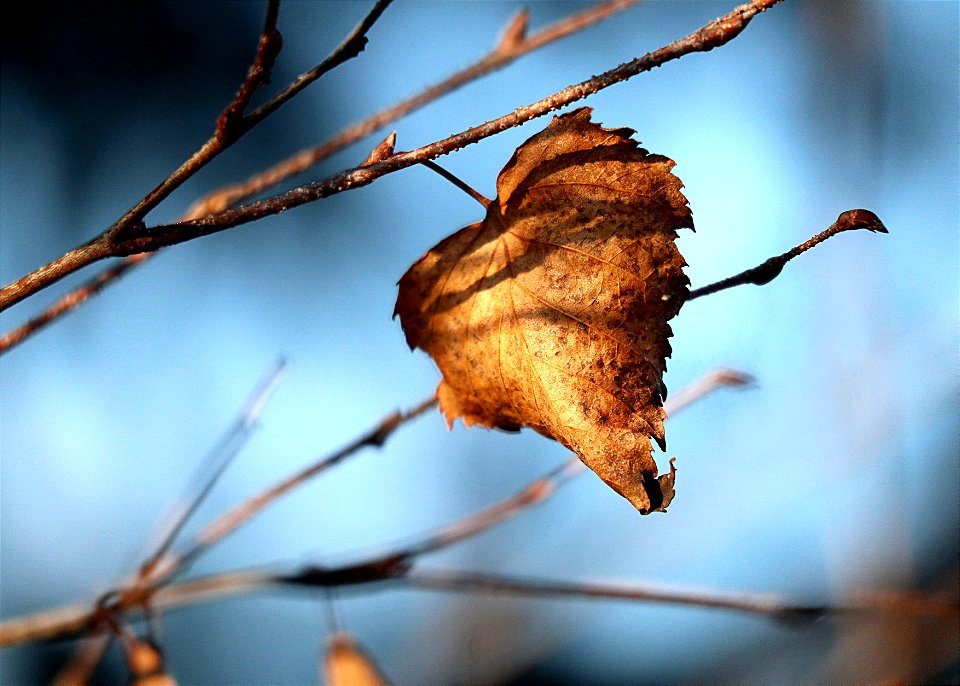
(552, 312)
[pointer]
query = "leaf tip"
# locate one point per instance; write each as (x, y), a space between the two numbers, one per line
(666, 482)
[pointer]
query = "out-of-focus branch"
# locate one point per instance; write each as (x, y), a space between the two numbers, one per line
(532, 494)
(704, 386)
(769, 270)
(217, 462)
(153, 589)
(223, 526)
(231, 126)
(79, 668)
(130, 239)
(512, 45)
(70, 620)
(773, 606)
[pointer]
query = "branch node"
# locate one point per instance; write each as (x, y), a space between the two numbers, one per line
(515, 33)
(383, 150)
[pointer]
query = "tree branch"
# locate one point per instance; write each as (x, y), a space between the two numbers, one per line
(716, 33)
(164, 567)
(152, 588)
(350, 47)
(70, 620)
(773, 606)
(231, 126)
(769, 270)
(216, 463)
(129, 240)
(512, 46)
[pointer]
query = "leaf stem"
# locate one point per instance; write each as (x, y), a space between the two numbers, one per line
(458, 182)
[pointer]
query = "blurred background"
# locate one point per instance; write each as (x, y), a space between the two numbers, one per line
(836, 474)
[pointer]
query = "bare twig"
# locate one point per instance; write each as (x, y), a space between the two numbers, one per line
(716, 33)
(389, 564)
(231, 126)
(508, 50)
(69, 620)
(79, 668)
(704, 386)
(216, 462)
(458, 182)
(769, 270)
(776, 607)
(532, 494)
(350, 47)
(130, 240)
(71, 301)
(233, 519)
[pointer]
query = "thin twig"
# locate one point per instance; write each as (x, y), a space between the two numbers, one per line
(231, 126)
(70, 620)
(704, 386)
(71, 301)
(229, 522)
(350, 47)
(267, 48)
(79, 668)
(507, 51)
(390, 564)
(532, 494)
(449, 580)
(217, 461)
(769, 270)
(775, 607)
(458, 182)
(90, 652)
(132, 240)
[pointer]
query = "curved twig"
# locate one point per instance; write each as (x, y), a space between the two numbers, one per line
(769, 270)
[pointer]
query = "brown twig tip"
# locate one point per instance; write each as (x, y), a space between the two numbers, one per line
(720, 31)
(859, 219)
(383, 150)
(268, 49)
(769, 270)
(732, 377)
(515, 33)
